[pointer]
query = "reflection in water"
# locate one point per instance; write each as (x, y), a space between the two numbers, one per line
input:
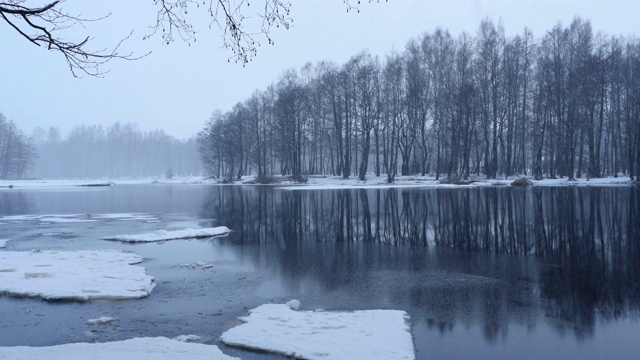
(576, 251)
(14, 203)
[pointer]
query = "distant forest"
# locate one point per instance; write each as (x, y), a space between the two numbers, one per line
(116, 151)
(17, 151)
(563, 105)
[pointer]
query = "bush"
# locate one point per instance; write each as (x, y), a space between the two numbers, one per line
(521, 182)
(265, 179)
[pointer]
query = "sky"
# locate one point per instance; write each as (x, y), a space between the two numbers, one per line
(177, 87)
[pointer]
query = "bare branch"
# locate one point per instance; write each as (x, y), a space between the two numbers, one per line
(41, 26)
(231, 16)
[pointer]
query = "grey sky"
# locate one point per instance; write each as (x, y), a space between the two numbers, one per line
(177, 87)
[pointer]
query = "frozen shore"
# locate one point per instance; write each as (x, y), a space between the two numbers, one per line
(315, 182)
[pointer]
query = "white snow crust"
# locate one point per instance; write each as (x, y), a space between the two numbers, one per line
(159, 348)
(3, 243)
(162, 235)
(366, 334)
(74, 275)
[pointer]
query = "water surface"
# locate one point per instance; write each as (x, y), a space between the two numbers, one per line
(488, 273)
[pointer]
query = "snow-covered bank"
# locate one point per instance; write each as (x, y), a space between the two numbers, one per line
(377, 182)
(79, 218)
(158, 348)
(52, 184)
(74, 275)
(314, 182)
(163, 235)
(367, 334)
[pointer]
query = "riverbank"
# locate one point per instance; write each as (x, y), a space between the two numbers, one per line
(318, 182)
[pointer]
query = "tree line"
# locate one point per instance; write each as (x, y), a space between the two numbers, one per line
(563, 105)
(116, 151)
(17, 151)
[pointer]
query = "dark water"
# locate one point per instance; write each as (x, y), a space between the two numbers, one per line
(485, 273)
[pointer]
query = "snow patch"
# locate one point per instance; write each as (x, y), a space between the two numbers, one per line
(103, 320)
(367, 334)
(74, 275)
(159, 348)
(162, 235)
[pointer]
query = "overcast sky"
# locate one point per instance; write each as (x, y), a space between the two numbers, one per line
(177, 87)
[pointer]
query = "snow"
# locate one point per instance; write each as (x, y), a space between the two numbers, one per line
(366, 334)
(3, 243)
(74, 275)
(159, 348)
(293, 304)
(103, 320)
(162, 235)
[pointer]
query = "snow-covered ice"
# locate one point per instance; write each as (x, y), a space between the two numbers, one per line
(366, 334)
(187, 338)
(123, 216)
(293, 304)
(3, 243)
(103, 320)
(74, 275)
(158, 348)
(162, 235)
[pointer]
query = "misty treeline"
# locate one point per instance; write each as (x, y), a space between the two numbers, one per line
(566, 104)
(17, 151)
(116, 151)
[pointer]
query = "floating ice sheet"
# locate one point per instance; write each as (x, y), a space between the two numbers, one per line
(74, 275)
(134, 349)
(162, 235)
(367, 334)
(103, 320)
(3, 243)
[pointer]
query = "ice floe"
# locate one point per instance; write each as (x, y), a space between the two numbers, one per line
(3, 243)
(158, 348)
(51, 219)
(74, 275)
(366, 334)
(162, 235)
(197, 265)
(124, 216)
(103, 320)
(187, 338)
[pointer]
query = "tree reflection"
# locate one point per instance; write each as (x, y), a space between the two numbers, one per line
(579, 246)
(15, 203)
